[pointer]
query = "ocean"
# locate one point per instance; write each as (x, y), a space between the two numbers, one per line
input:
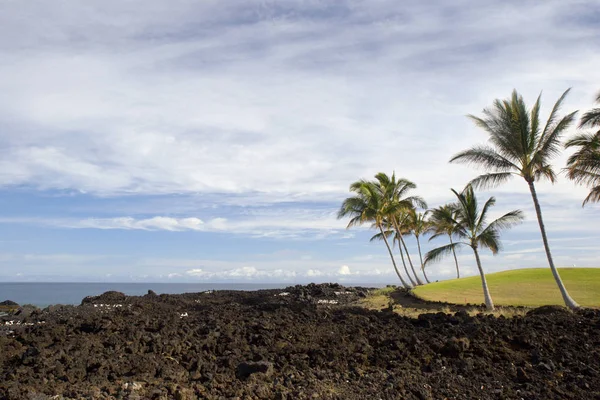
(45, 294)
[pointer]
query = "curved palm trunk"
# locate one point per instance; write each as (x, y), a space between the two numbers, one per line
(405, 267)
(489, 304)
(455, 259)
(412, 267)
(404, 283)
(421, 258)
(399, 235)
(572, 304)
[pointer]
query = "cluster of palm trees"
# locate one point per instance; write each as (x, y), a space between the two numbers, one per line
(384, 203)
(518, 145)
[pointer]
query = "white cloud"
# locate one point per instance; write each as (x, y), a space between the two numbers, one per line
(246, 272)
(344, 270)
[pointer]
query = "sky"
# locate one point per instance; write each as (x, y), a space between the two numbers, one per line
(214, 141)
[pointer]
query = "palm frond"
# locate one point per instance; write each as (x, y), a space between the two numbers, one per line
(588, 175)
(586, 140)
(492, 180)
(553, 116)
(485, 157)
(437, 254)
(583, 166)
(436, 235)
(522, 123)
(490, 239)
(379, 236)
(506, 221)
(535, 118)
(545, 171)
(593, 196)
(591, 119)
(481, 220)
(549, 144)
(416, 201)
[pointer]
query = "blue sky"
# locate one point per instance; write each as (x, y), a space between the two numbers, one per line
(214, 141)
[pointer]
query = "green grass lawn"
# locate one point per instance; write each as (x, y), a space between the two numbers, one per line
(524, 287)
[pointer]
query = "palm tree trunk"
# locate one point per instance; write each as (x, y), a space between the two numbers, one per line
(421, 258)
(455, 259)
(404, 263)
(572, 304)
(489, 304)
(419, 282)
(404, 283)
(399, 236)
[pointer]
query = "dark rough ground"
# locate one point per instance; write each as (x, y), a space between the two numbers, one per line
(262, 345)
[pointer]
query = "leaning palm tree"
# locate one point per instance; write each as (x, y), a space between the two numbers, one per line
(419, 225)
(474, 231)
(519, 145)
(367, 206)
(442, 222)
(399, 204)
(583, 166)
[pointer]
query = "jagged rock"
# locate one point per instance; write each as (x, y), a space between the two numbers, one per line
(263, 345)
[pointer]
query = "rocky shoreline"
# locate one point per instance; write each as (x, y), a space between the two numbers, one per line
(302, 342)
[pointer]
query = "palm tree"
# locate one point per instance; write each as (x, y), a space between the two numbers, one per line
(520, 146)
(442, 223)
(473, 229)
(583, 166)
(394, 190)
(419, 225)
(367, 206)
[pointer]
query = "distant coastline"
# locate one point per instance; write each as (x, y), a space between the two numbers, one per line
(43, 294)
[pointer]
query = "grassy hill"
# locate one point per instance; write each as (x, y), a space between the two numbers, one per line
(523, 287)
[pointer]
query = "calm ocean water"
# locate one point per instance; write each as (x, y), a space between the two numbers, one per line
(45, 294)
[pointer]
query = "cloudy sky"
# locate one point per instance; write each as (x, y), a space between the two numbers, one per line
(214, 141)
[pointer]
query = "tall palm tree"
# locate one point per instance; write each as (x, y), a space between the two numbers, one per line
(583, 166)
(367, 206)
(442, 223)
(474, 231)
(395, 192)
(519, 145)
(419, 225)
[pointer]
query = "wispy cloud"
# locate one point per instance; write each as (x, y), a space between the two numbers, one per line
(258, 97)
(288, 223)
